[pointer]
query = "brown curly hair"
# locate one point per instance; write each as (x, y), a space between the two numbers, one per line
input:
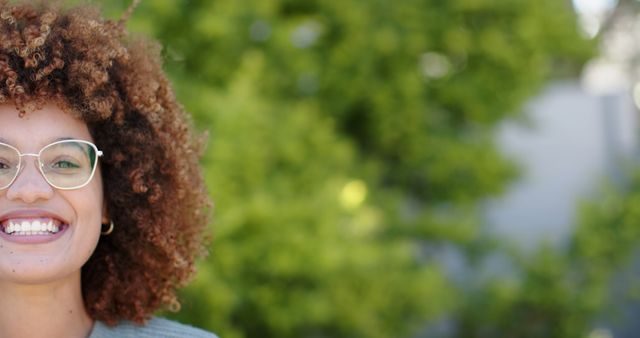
(153, 184)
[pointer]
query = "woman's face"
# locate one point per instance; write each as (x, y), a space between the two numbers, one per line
(49, 257)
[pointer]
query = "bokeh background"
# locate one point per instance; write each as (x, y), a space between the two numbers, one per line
(411, 168)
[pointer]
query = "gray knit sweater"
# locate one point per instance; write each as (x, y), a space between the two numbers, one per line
(156, 327)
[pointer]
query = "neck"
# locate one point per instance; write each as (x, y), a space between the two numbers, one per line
(43, 310)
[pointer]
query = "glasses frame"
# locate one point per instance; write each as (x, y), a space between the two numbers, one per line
(41, 165)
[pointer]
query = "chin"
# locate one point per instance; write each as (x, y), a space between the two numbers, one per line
(33, 269)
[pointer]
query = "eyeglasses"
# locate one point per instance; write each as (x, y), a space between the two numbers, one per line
(66, 164)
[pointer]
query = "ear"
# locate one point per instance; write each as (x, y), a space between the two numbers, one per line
(105, 212)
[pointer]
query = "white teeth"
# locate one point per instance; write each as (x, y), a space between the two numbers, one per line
(26, 228)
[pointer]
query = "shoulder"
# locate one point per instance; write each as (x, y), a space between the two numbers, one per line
(156, 327)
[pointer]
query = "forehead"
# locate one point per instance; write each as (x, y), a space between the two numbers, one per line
(40, 127)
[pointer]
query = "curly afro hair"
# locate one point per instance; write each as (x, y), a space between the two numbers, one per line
(153, 185)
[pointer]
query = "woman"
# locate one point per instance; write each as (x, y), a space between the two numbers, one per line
(102, 202)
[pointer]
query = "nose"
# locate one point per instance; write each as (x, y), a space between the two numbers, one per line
(30, 186)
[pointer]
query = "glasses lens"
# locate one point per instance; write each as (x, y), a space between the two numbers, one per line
(9, 161)
(68, 164)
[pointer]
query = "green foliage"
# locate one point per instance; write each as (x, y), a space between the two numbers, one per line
(609, 229)
(559, 293)
(411, 84)
(286, 240)
(547, 297)
(349, 140)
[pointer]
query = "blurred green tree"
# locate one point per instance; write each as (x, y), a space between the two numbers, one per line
(350, 143)
(561, 293)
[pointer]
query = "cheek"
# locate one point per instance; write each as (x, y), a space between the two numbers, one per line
(87, 230)
(95, 194)
(88, 205)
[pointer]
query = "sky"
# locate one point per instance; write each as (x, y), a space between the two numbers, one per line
(593, 5)
(592, 12)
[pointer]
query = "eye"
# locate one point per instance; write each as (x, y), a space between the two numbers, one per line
(4, 164)
(64, 164)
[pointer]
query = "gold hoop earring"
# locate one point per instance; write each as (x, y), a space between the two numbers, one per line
(108, 231)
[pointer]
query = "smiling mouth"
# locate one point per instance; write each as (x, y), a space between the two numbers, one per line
(31, 226)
